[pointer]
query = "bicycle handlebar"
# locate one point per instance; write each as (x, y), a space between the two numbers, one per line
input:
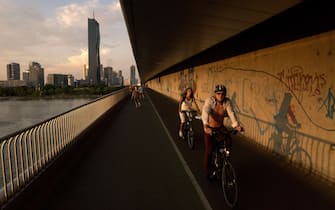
(233, 131)
(190, 111)
(191, 114)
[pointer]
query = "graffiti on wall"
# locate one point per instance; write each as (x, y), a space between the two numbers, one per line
(249, 89)
(294, 79)
(182, 84)
(187, 80)
(300, 81)
(329, 105)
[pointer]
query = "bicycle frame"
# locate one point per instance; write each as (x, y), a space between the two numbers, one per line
(220, 152)
(223, 168)
(188, 128)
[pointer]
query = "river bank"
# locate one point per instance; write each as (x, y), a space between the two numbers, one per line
(23, 98)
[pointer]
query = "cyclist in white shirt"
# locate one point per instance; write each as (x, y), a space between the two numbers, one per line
(215, 109)
(186, 103)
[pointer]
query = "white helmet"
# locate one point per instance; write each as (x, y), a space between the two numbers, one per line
(220, 88)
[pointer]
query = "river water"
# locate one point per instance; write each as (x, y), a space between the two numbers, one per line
(17, 114)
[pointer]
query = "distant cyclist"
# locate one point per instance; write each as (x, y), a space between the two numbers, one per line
(141, 92)
(135, 96)
(214, 110)
(187, 103)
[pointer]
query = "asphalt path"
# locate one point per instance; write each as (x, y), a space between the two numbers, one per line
(139, 162)
(132, 165)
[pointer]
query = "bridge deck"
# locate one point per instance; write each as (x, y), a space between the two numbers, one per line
(133, 165)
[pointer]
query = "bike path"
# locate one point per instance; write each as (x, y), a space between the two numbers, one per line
(132, 165)
(265, 181)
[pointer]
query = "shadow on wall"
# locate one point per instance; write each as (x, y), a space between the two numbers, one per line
(308, 153)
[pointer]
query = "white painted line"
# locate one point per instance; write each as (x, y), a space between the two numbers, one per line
(184, 163)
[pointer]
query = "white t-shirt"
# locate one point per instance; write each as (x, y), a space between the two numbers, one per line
(186, 105)
(209, 108)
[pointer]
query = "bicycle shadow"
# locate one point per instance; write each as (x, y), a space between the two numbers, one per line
(284, 141)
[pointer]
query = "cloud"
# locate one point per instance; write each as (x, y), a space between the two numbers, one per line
(79, 59)
(73, 15)
(56, 36)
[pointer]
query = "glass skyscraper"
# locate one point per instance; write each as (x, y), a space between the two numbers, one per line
(93, 76)
(13, 71)
(132, 75)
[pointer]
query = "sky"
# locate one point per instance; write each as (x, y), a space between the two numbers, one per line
(54, 33)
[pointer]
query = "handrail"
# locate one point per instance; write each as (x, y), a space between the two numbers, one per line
(25, 153)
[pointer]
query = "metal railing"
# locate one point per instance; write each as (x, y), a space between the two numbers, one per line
(25, 153)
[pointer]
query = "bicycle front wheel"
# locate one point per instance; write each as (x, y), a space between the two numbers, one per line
(229, 184)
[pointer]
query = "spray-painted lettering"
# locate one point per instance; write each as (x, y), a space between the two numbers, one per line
(298, 80)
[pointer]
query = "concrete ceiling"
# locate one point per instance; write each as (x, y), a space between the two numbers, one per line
(166, 32)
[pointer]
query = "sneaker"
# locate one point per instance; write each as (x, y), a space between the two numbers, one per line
(181, 134)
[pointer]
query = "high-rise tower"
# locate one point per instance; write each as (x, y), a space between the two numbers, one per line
(93, 76)
(132, 75)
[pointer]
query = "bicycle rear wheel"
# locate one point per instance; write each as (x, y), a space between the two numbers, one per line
(229, 184)
(302, 160)
(190, 138)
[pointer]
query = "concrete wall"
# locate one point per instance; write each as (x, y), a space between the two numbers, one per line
(283, 95)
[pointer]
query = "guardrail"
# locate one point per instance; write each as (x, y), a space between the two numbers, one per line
(25, 153)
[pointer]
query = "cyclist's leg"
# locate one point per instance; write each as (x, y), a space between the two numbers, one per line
(208, 153)
(182, 121)
(139, 100)
(229, 140)
(136, 101)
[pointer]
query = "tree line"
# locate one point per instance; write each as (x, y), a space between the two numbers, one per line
(51, 90)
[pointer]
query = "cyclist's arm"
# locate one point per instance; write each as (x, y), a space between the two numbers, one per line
(206, 109)
(180, 103)
(231, 114)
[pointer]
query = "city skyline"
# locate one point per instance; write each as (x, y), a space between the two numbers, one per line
(55, 35)
(22, 71)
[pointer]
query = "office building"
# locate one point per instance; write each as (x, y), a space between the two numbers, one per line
(108, 75)
(13, 71)
(132, 75)
(121, 79)
(93, 52)
(101, 72)
(85, 72)
(34, 76)
(70, 80)
(58, 80)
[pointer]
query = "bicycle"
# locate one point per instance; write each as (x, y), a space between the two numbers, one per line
(188, 128)
(222, 168)
(137, 101)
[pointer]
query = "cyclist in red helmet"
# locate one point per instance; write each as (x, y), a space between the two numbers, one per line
(214, 110)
